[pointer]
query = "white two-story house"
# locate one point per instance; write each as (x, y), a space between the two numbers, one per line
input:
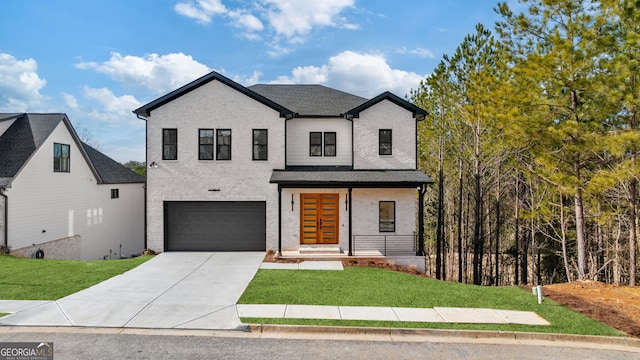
(61, 198)
(288, 168)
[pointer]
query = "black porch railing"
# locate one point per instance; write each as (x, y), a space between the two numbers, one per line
(385, 245)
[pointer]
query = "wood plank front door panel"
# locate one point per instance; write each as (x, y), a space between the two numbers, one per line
(319, 218)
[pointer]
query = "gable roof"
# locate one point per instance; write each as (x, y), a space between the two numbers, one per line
(27, 134)
(310, 100)
(290, 99)
(418, 113)
(145, 110)
(111, 171)
(21, 140)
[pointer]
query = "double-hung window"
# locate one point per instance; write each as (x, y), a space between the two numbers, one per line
(61, 154)
(223, 144)
(330, 144)
(205, 144)
(387, 220)
(260, 144)
(385, 142)
(318, 147)
(315, 143)
(169, 144)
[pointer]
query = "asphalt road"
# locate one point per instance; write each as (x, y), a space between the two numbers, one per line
(108, 344)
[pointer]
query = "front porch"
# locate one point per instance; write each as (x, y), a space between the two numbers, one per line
(362, 214)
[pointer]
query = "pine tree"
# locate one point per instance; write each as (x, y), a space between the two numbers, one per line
(554, 47)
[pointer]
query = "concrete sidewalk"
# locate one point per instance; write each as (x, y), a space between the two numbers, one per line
(374, 313)
(200, 291)
(305, 265)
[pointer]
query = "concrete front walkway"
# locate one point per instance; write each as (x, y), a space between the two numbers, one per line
(191, 290)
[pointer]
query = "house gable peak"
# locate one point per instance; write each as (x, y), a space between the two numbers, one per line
(145, 110)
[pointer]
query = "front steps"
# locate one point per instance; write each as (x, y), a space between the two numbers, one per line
(320, 249)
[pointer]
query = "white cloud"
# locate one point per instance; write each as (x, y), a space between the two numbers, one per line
(246, 20)
(422, 52)
(366, 75)
(70, 100)
(118, 106)
(158, 73)
(295, 18)
(201, 10)
(291, 20)
(251, 80)
(20, 85)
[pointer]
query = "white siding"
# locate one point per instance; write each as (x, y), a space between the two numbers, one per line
(212, 106)
(298, 141)
(45, 205)
(385, 115)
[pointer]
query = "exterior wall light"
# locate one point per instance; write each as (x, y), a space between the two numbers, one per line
(153, 165)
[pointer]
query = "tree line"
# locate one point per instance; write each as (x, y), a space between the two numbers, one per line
(532, 139)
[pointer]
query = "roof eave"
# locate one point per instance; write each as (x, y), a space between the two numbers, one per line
(418, 113)
(145, 110)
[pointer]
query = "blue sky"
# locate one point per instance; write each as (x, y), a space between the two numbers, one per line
(98, 60)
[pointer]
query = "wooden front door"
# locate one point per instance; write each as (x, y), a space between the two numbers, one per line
(319, 218)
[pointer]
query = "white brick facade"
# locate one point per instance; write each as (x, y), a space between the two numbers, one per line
(384, 115)
(214, 102)
(212, 106)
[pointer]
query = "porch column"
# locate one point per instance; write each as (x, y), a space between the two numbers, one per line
(350, 218)
(279, 220)
(421, 192)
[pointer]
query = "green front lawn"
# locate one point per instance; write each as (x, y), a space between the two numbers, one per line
(356, 286)
(43, 279)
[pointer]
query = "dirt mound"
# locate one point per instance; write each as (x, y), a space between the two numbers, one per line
(615, 305)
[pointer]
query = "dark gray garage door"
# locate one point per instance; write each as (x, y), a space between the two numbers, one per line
(215, 226)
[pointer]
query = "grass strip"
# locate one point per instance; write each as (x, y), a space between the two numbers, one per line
(358, 286)
(47, 279)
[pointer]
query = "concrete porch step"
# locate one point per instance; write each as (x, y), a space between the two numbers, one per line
(320, 250)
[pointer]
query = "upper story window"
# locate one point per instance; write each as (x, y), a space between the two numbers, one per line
(169, 144)
(115, 193)
(61, 157)
(260, 144)
(316, 143)
(385, 142)
(223, 144)
(330, 144)
(205, 144)
(387, 220)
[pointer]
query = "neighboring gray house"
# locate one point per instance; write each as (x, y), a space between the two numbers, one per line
(288, 168)
(61, 196)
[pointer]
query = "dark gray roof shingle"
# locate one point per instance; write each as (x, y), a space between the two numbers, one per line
(353, 177)
(310, 100)
(111, 171)
(21, 139)
(29, 131)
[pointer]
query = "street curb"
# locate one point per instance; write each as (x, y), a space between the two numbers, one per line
(438, 333)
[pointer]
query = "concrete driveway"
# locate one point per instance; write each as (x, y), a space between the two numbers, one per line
(186, 290)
